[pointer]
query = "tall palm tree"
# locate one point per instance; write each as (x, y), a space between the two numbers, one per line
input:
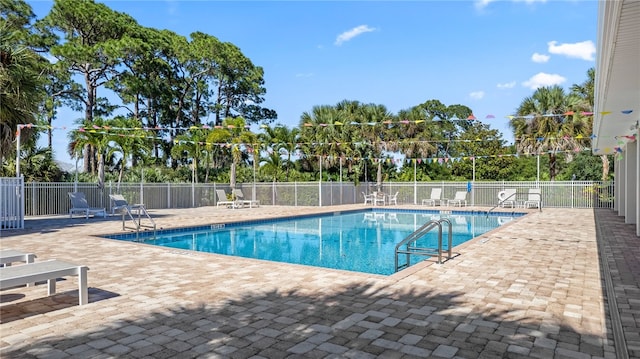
(585, 91)
(129, 140)
(283, 141)
(192, 144)
(320, 136)
(272, 163)
(233, 136)
(545, 123)
(20, 88)
(379, 134)
(416, 134)
(287, 145)
(91, 135)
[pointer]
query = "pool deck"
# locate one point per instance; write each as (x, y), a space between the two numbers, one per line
(534, 288)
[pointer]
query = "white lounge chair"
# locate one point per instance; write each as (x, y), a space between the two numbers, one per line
(534, 198)
(393, 198)
(379, 198)
(48, 270)
(507, 198)
(435, 199)
(119, 205)
(222, 199)
(459, 199)
(79, 204)
(239, 197)
(368, 198)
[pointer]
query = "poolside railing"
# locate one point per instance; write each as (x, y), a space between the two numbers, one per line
(52, 199)
(11, 203)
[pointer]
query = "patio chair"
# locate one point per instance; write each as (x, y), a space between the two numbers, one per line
(223, 201)
(507, 197)
(534, 198)
(48, 270)
(379, 197)
(435, 199)
(79, 204)
(368, 198)
(239, 196)
(393, 198)
(121, 206)
(460, 197)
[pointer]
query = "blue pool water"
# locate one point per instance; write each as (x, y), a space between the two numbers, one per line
(361, 241)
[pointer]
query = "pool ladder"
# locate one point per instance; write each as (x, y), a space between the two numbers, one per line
(410, 241)
(500, 202)
(137, 211)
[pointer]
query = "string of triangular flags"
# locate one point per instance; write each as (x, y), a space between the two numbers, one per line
(337, 123)
(621, 140)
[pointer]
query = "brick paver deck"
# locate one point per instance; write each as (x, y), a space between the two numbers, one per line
(534, 288)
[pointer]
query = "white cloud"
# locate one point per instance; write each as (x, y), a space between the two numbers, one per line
(540, 58)
(531, 1)
(507, 85)
(481, 4)
(584, 50)
(542, 80)
(348, 35)
(477, 95)
(172, 7)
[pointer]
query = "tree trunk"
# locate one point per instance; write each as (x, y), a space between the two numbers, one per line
(552, 166)
(605, 167)
(88, 158)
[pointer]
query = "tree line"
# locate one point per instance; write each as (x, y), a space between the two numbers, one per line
(83, 50)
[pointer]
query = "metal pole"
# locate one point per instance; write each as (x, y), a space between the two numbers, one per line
(340, 183)
(193, 185)
(474, 168)
(253, 195)
(320, 182)
(415, 182)
(75, 184)
(538, 169)
(18, 151)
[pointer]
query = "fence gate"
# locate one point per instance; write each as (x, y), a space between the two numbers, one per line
(11, 203)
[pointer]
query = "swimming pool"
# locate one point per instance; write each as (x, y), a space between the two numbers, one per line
(361, 241)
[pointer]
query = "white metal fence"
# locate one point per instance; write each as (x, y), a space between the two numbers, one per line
(11, 203)
(52, 198)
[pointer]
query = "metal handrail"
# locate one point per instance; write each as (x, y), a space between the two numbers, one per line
(501, 202)
(419, 233)
(128, 210)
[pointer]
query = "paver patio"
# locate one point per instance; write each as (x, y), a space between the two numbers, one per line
(534, 288)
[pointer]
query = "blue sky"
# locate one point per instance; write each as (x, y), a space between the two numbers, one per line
(487, 55)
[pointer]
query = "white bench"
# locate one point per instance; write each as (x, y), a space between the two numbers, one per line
(8, 256)
(49, 271)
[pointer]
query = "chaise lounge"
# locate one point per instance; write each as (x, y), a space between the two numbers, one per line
(239, 196)
(459, 199)
(435, 199)
(223, 201)
(80, 205)
(507, 198)
(121, 206)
